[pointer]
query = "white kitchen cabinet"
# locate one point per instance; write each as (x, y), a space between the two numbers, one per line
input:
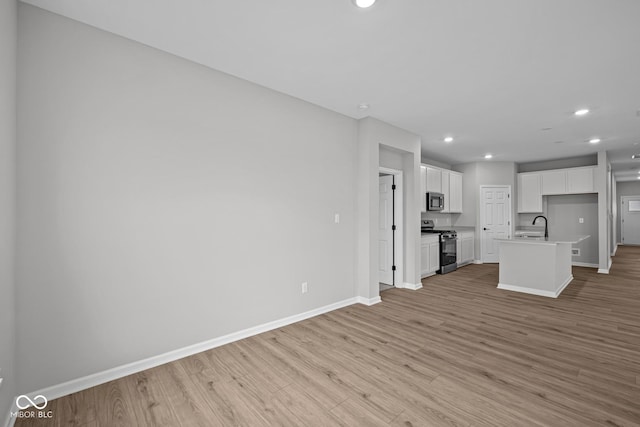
(423, 188)
(533, 185)
(445, 175)
(444, 181)
(529, 192)
(455, 192)
(568, 181)
(581, 180)
(554, 182)
(429, 254)
(434, 180)
(465, 247)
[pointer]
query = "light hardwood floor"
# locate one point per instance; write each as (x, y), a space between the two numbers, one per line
(457, 352)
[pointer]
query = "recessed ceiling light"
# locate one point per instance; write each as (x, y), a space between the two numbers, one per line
(448, 139)
(594, 140)
(364, 3)
(488, 156)
(581, 112)
(363, 106)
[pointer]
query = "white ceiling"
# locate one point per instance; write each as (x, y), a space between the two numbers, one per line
(493, 74)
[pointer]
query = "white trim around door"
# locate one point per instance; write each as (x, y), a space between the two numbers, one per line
(398, 203)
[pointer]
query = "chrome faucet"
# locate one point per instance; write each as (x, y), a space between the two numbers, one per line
(546, 229)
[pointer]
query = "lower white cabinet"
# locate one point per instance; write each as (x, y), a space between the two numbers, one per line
(465, 247)
(429, 254)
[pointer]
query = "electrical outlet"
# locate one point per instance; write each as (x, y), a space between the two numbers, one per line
(305, 287)
(336, 218)
(581, 220)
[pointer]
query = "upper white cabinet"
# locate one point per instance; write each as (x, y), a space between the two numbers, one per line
(455, 192)
(434, 180)
(581, 180)
(568, 181)
(529, 192)
(554, 182)
(443, 181)
(445, 189)
(533, 185)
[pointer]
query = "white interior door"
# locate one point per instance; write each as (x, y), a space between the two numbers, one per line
(385, 231)
(495, 219)
(630, 232)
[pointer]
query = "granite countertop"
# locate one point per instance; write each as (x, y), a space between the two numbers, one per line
(553, 239)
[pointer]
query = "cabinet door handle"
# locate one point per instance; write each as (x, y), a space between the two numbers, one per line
(485, 228)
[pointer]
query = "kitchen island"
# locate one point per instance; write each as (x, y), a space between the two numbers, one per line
(538, 266)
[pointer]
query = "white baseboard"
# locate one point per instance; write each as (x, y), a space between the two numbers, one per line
(584, 264)
(73, 386)
(532, 291)
(606, 270)
(477, 261)
(412, 286)
(615, 249)
(368, 301)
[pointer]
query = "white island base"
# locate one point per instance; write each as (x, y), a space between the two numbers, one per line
(535, 267)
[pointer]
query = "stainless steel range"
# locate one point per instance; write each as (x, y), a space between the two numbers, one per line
(448, 243)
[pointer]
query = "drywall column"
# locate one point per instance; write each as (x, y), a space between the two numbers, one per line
(371, 134)
(367, 213)
(8, 43)
(602, 187)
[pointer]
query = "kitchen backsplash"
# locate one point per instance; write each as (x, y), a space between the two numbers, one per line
(440, 220)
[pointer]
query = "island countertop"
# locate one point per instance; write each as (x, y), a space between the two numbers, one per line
(553, 239)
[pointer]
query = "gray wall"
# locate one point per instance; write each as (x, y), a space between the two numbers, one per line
(433, 162)
(8, 40)
(627, 188)
(564, 212)
(163, 203)
(573, 162)
(475, 175)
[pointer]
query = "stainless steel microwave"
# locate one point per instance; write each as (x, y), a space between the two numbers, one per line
(435, 201)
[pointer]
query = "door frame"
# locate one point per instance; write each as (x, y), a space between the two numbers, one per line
(481, 216)
(398, 219)
(624, 199)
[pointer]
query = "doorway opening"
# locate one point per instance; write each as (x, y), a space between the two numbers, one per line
(390, 229)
